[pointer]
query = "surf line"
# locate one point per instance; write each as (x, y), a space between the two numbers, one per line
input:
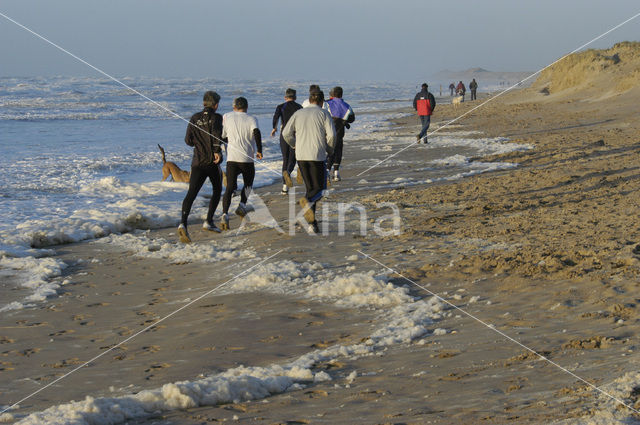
(159, 105)
(151, 326)
(502, 92)
(504, 335)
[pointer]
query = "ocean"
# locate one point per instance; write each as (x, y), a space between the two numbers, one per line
(80, 160)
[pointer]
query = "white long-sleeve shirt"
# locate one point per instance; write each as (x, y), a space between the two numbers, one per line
(310, 131)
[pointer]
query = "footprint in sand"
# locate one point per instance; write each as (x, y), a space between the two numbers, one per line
(62, 332)
(6, 366)
(5, 340)
(98, 304)
(316, 393)
(271, 339)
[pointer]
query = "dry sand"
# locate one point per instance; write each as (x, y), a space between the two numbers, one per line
(550, 252)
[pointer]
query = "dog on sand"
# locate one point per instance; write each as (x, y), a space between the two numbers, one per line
(171, 169)
(456, 101)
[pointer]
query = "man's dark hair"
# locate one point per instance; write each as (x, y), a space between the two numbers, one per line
(316, 96)
(210, 99)
(425, 85)
(290, 94)
(314, 87)
(336, 92)
(240, 103)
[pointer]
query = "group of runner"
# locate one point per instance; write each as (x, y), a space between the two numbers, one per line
(311, 136)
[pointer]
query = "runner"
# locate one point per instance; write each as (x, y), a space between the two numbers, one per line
(312, 88)
(342, 115)
(284, 111)
(241, 132)
(203, 133)
(311, 133)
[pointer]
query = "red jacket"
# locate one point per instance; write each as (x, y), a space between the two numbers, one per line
(424, 103)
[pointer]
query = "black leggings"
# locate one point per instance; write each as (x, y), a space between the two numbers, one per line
(288, 157)
(234, 169)
(336, 158)
(198, 176)
(314, 174)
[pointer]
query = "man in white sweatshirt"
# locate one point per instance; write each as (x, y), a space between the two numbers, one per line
(310, 131)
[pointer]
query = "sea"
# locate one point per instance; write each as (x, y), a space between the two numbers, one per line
(80, 159)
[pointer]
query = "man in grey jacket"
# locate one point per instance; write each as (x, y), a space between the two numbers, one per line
(310, 131)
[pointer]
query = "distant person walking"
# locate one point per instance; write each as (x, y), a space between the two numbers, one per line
(241, 132)
(342, 115)
(452, 87)
(204, 133)
(473, 86)
(312, 133)
(424, 103)
(284, 111)
(461, 90)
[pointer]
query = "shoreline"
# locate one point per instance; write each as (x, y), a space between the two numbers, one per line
(504, 237)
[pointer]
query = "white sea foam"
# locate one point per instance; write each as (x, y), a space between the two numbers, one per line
(35, 274)
(402, 319)
(609, 411)
(204, 252)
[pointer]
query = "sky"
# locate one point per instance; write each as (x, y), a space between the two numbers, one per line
(347, 40)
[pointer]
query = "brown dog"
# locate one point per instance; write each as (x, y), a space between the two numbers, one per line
(171, 169)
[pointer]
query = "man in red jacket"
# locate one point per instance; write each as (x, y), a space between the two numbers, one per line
(424, 103)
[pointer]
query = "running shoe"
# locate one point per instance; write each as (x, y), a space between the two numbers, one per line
(285, 189)
(210, 227)
(309, 215)
(241, 211)
(183, 234)
(336, 176)
(287, 178)
(224, 222)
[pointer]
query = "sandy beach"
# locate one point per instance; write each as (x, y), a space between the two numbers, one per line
(546, 251)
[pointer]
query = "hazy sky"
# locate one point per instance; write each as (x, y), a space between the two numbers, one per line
(373, 40)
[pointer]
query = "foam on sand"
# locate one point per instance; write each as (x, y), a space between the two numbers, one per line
(143, 245)
(402, 319)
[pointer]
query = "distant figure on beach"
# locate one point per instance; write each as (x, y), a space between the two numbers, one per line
(284, 111)
(424, 103)
(204, 133)
(240, 131)
(473, 86)
(342, 115)
(311, 132)
(312, 88)
(461, 90)
(452, 87)
(440, 90)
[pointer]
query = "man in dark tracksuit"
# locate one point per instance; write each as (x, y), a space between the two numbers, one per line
(473, 86)
(204, 133)
(342, 115)
(284, 111)
(424, 103)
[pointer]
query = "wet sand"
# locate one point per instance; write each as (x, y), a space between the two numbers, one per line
(547, 253)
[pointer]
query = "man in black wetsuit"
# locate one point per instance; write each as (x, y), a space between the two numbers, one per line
(204, 133)
(284, 111)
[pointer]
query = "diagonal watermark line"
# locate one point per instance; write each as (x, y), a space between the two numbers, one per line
(159, 105)
(493, 328)
(139, 332)
(502, 92)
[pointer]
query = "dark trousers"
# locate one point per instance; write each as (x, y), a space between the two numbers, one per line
(335, 158)
(473, 95)
(425, 120)
(288, 157)
(234, 169)
(314, 175)
(198, 177)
